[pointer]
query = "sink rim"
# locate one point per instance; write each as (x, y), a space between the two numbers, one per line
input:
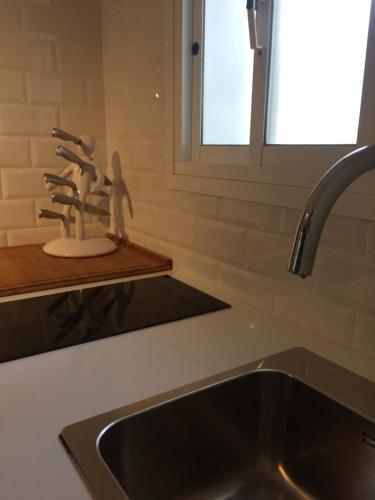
(81, 439)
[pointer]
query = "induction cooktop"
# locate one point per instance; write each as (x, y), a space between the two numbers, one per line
(46, 323)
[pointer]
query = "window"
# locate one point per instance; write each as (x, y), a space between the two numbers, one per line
(316, 71)
(227, 74)
(299, 92)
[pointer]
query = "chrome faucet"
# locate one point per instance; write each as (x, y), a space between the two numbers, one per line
(318, 207)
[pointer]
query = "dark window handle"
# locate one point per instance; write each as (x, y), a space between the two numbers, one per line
(195, 49)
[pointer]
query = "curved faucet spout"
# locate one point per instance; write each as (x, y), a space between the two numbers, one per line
(320, 203)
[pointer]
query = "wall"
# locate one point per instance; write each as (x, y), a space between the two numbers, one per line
(242, 246)
(50, 75)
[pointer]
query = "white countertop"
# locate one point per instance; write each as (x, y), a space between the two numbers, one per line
(42, 394)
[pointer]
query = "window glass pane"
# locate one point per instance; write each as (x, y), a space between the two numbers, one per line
(227, 73)
(317, 66)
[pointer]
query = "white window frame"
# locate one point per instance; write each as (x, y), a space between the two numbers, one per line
(274, 174)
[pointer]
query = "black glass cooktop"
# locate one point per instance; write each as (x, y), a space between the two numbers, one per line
(50, 322)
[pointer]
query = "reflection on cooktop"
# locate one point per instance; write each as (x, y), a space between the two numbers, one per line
(50, 322)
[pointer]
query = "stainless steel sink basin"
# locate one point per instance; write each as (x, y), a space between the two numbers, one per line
(291, 426)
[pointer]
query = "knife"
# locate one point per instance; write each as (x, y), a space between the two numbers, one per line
(69, 200)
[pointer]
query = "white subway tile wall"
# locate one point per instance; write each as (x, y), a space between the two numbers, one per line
(101, 66)
(51, 75)
(17, 214)
(364, 334)
(241, 246)
(24, 183)
(32, 236)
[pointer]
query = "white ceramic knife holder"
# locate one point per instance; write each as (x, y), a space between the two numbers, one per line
(82, 177)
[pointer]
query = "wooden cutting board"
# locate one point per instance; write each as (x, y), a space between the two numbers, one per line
(28, 269)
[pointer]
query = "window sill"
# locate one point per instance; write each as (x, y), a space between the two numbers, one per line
(286, 186)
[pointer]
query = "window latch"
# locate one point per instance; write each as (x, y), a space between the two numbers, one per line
(252, 7)
(195, 49)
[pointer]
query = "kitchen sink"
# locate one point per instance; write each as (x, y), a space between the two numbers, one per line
(289, 426)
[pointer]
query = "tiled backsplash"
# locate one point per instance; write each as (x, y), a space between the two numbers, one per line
(50, 75)
(87, 65)
(243, 246)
